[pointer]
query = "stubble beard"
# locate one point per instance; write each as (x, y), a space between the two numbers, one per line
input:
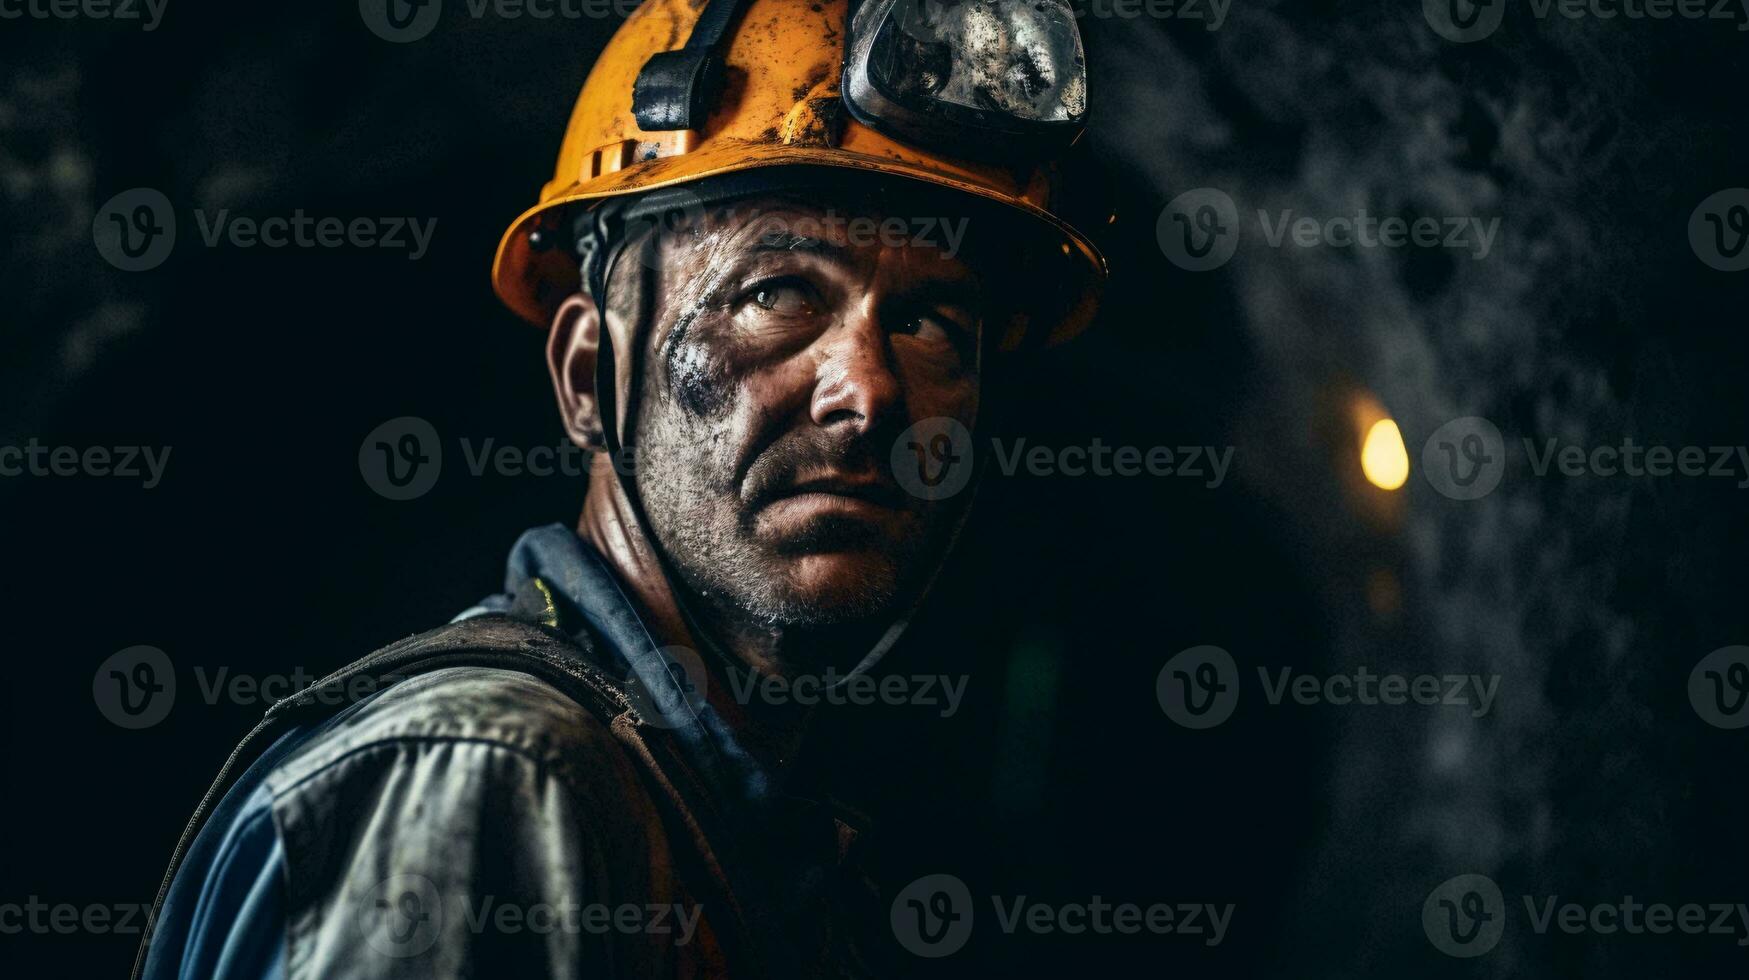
(702, 524)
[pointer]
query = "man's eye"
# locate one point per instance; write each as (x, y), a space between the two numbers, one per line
(935, 329)
(783, 296)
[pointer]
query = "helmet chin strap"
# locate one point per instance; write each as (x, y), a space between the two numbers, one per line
(601, 241)
(602, 236)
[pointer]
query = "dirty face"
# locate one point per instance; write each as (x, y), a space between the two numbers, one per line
(791, 345)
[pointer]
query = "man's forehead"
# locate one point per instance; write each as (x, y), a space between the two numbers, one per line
(840, 204)
(930, 230)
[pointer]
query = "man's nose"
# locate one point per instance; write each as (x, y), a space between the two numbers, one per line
(854, 379)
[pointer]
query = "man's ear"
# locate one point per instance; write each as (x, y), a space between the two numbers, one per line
(573, 344)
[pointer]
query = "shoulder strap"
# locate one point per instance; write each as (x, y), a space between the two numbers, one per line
(492, 640)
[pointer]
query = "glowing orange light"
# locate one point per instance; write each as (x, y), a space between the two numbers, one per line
(1383, 458)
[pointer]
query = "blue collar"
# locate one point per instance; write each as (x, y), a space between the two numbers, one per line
(552, 567)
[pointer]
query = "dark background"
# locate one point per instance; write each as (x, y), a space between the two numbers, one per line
(1592, 598)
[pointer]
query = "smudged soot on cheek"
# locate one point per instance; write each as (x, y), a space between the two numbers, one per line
(698, 374)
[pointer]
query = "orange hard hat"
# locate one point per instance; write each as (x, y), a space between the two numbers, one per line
(779, 104)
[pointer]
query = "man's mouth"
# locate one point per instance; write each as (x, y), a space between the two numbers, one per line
(862, 493)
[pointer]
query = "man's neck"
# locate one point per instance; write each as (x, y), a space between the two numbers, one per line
(789, 651)
(774, 728)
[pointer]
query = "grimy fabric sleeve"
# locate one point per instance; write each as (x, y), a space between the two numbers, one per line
(237, 928)
(474, 822)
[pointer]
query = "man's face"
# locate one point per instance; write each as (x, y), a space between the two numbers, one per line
(790, 348)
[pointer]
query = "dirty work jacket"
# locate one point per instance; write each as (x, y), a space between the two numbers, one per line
(476, 821)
